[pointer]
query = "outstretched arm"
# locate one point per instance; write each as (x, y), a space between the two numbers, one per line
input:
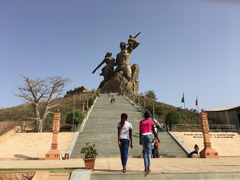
(98, 66)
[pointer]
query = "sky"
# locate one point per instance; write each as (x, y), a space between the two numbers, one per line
(190, 47)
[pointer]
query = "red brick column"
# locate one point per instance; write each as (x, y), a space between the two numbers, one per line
(207, 152)
(54, 154)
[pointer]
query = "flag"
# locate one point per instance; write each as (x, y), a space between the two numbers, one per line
(182, 101)
(196, 101)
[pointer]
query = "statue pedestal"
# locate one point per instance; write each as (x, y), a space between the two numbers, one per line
(207, 152)
(54, 154)
(118, 82)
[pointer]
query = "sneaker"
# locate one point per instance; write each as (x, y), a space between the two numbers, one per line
(148, 170)
(124, 170)
(145, 169)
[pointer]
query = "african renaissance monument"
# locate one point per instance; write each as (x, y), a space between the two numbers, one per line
(125, 76)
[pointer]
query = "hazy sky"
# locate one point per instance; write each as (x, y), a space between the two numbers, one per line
(190, 46)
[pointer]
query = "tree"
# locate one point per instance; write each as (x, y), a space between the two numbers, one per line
(150, 94)
(41, 93)
(172, 117)
(75, 117)
(159, 110)
(90, 101)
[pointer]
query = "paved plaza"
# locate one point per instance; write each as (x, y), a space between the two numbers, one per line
(134, 164)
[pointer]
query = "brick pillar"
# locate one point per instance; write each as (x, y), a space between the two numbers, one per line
(207, 152)
(54, 154)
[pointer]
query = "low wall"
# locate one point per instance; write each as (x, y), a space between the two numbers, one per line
(10, 133)
(6, 126)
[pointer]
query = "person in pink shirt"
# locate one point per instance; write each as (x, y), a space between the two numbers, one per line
(145, 139)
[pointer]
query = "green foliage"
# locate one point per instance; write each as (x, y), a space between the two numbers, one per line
(25, 111)
(173, 117)
(90, 102)
(150, 94)
(78, 117)
(89, 151)
(159, 110)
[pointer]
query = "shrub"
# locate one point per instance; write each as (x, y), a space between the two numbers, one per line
(150, 94)
(78, 117)
(172, 117)
(90, 102)
(159, 110)
(89, 151)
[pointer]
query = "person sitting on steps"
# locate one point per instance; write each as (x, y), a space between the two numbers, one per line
(196, 148)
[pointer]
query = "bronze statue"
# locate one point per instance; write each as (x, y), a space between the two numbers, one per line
(107, 71)
(123, 57)
(124, 76)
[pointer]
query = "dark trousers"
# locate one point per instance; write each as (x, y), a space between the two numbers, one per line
(124, 151)
(190, 155)
(153, 153)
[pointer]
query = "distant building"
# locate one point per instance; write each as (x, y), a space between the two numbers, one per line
(228, 115)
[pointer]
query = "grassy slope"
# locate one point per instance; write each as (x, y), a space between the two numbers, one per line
(65, 105)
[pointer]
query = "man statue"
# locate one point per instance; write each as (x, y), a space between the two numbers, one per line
(107, 70)
(123, 57)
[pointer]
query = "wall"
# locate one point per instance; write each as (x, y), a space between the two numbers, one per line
(233, 118)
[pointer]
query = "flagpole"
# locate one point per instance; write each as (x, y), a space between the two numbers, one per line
(198, 108)
(183, 101)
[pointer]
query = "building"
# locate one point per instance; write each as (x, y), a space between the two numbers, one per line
(228, 115)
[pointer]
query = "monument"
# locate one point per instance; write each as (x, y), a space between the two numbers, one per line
(207, 152)
(124, 77)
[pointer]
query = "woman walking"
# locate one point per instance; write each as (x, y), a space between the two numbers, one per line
(145, 139)
(124, 136)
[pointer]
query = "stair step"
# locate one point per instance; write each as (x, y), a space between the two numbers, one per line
(101, 130)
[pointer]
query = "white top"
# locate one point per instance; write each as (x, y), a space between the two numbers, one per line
(125, 130)
(152, 145)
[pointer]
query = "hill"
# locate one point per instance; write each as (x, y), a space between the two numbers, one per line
(160, 110)
(66, 104)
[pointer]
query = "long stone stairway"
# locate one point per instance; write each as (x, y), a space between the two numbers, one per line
(101, 130)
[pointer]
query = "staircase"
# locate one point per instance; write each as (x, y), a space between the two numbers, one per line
(101, 130)
(168, 146)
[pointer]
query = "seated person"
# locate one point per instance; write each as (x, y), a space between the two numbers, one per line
(112, 100)
(196, 148)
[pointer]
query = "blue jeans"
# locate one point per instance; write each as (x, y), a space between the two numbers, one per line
(124, 151)
(147, 143)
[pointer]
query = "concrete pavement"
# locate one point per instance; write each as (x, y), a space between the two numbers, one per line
(134, 164)
(164, 168)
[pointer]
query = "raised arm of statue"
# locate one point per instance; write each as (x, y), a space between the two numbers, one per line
(133, 43)
(106, 60)
(98, 66)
